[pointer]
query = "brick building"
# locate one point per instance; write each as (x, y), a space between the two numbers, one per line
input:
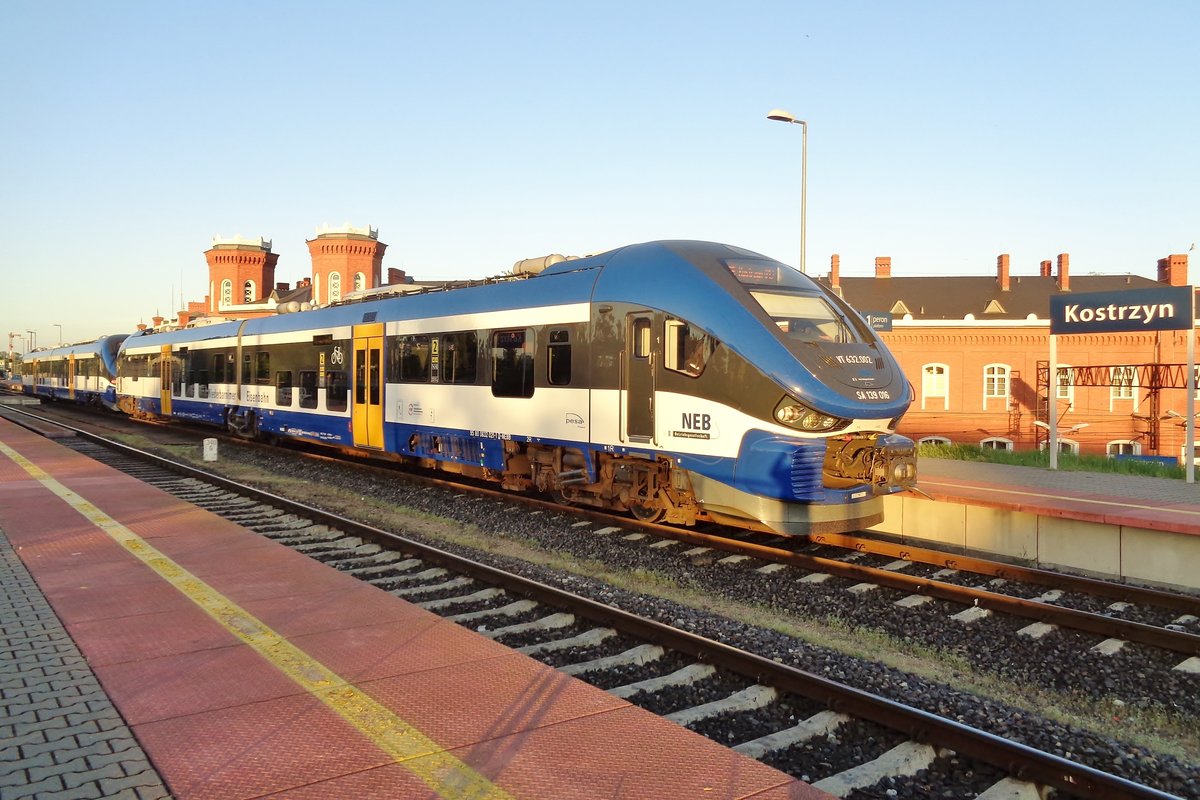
(972, 348)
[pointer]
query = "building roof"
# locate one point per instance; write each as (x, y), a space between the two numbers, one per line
(956, 297)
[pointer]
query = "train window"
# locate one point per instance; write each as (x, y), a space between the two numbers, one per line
(336, 389)
(641, 338)
(688, 349)
(218, 368)
(262, 371)
(410, 359)
(308, 389)
(512, 363)
(459, 356)
(558, 356)
(247, 362)
(283, 388)
(805, 317)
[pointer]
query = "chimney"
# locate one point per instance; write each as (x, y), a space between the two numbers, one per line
(1172, 270)
(1002, 272)
(304, 283)
(835, 271)
(157, 320)
(395, 276)
(184, 318)
(883, 266)
(1046, 270)
(1064, 274)
(281, 287)
(141, 326)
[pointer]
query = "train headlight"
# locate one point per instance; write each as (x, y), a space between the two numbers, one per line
(797, 415)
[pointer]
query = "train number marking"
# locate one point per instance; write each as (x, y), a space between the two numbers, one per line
(873, 394)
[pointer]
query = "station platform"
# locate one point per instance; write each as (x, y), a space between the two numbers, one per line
(238, 668)
(1131, 527)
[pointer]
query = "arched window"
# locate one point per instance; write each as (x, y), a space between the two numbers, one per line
(248, 292)
(939, 441)
(997, 443)
(335, 286)
(1123, 447)
(1065, 383)
(935, 385)
(226, 292)
(360, 281)
(995, 383)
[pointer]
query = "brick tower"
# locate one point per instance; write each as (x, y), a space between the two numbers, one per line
(344, 260)
(240, 271)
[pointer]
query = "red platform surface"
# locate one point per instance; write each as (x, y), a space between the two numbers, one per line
(221, 719)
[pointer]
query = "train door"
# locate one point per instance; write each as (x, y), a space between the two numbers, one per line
(71, 376)
(367, 416)
(639, 371)
(164, 376)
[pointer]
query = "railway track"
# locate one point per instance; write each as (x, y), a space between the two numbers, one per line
(841, 738)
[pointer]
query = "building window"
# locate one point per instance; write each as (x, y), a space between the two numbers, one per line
(248, 292)
(1123, 380)
(226, 293)
(995, 383)
(996, 443)
(360, 281)
(335, 286)
(935, 385)
(937, 441)
(1066, 386)
(1123, 448)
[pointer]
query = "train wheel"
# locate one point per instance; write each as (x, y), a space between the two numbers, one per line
(651, 512)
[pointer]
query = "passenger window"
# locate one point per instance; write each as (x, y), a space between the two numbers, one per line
(410, 359)
(558, 366)
(512, 364)
(308, 389)
(688, 349)
(262, 371)
(336, 389)
(459, 356)
(283, 388)
(218, 368)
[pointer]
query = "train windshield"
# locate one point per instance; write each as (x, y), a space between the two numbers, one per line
(806, 318)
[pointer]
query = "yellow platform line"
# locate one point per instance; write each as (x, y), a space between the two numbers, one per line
(448, 776)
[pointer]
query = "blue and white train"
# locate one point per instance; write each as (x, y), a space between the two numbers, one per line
(82, 373)
(676, 380)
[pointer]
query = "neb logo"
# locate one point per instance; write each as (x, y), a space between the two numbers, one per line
(697, 422)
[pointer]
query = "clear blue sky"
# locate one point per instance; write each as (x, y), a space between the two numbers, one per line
(475, 134)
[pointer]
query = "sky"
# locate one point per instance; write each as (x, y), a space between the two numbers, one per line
(476, 134)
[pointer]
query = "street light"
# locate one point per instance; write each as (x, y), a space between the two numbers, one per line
(55, 324)
(780, 115)
(31, 342)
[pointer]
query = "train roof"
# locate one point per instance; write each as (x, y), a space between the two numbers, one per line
(94, 347)
(705, 283)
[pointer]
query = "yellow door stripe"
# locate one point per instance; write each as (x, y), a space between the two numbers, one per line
(449, 777)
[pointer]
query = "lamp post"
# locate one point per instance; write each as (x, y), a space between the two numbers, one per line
(31, 342)
(780, 115)
(55, 324)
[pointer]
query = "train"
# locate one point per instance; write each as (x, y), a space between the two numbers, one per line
(676, 381)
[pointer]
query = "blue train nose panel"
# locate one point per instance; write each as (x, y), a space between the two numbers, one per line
(781, 467)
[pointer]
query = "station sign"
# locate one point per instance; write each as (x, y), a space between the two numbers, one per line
(878, 320)
(1168, 308)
